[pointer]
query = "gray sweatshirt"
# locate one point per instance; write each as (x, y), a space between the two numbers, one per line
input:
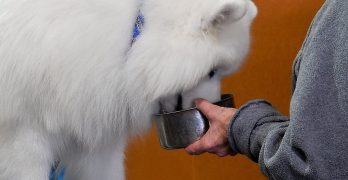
(313, 142)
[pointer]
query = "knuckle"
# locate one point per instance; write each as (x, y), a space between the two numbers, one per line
(222, 153)
(209, 114)
(209, 145)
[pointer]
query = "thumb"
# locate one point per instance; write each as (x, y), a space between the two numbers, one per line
(208, 109)
(196, 148)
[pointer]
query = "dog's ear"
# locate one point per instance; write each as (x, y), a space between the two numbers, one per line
(224, 13)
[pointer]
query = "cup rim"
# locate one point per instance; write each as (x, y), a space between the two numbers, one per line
(224, 97)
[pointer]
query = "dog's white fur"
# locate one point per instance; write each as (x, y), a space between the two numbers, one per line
(72, 89)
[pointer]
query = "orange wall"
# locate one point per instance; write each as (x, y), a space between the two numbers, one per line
(278, 33)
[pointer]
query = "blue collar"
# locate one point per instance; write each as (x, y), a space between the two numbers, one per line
(138, 26)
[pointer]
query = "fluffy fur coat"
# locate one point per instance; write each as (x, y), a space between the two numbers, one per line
(72, 89)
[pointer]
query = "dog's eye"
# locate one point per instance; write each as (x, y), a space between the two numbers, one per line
(212, 73)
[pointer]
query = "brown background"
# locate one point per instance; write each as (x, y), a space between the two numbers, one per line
(278, 33)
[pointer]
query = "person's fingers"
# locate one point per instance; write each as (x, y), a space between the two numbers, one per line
(215, 139)
(203, 146)
(196, 148)
(223, 151)
(208, 109)
(210, 142)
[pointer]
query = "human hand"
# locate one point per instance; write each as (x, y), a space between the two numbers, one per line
(215, 140)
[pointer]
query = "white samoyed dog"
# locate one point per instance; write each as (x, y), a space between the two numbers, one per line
(73, 89)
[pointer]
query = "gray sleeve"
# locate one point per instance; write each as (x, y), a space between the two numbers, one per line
(251, 125)
(312, 143)
(255, 127)
(260, 132)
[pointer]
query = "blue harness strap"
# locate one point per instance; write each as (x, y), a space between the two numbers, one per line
(58, 174)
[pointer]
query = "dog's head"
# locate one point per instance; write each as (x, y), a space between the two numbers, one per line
(186, 47)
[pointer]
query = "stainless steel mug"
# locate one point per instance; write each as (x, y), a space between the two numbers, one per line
(181, 128)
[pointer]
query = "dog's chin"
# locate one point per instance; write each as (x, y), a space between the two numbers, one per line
(158, 109)
(168, 104)
(208, 88)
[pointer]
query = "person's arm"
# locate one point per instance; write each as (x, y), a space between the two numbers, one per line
(313, 143)
(258, 131)
(246, 133)
(251, 124)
